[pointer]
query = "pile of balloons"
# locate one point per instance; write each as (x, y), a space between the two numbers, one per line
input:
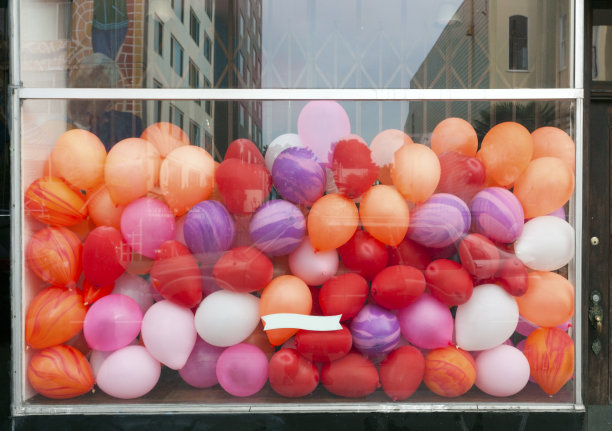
(436, 258)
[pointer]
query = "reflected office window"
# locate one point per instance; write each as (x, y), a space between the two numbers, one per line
(177, 6)
(518, 43)
(207, 47)
(195, 134)
(157, 104)
(176, 116)
(176, 56)
(194, 27)
(158, 36)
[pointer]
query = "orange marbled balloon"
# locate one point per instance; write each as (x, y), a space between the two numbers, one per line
(52, 201)
(550, 352)
(54, 255)
(54, 316)
(449, 371)
(60, 372)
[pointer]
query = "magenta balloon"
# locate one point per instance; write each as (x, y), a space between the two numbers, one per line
(112, 322)
(146, 223)
(200, 370)
(497, 214)
(320, 124)
(426, 323)
(242, 370)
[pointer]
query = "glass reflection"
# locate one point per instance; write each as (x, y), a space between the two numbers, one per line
(602, 45)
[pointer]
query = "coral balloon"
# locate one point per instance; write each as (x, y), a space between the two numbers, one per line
(546, 244)
(554, 142)
(209, 227)
(298, 176)
(105, 256)
(497, 214)
(401, 372)
(479, 256)
(364, 254)
(449, 282)
(51, 201)
(549, 300)
(415, 172)
(103, 211)
(353, 376)
(243, 269)
(277, 227)
(353, 169)
(324, 346)
(454, 134)
(332, 221)
(375, 330)
(502, 371)
(313, 267)
(54, 255)
(449, 371)
(112, 322)
(320, 124)
(343, 294)
(512, 276)
(397, 286)
(427, 323)
(244, 186)
(292, 375)
(385, 214)
(242, 370)
(409, 253)
(245, 150)
(383, 147)
(550, 353)
(166, 137)
(460, 175)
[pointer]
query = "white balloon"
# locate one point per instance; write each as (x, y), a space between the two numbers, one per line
(280, 143)
(502, 371)
(314, 268)
(546, 243)
(226, 318)
(136, 288)
(487, 319)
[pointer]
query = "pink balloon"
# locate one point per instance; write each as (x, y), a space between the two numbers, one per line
(313, 268)
(242, 370)
(322, 123)
(97, 357)
(426, 323)
(112, 322)
(145, 224)
(200, 370)
(502, 371)
(136, 288)
(525, 327)
(168, 333)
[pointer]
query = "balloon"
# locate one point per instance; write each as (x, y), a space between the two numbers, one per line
(343, 294)
(415, 172)
(385, 214)
(546, 244)
(186, 177)
(497, 214)
(146, 223)
(353, 376)
(439, 222)
(102, 210)
(169, 333)
(352, 166)
(226, 318)
(397, 286)
(131, 170)
(364, 254)
(244, 150)
(60, 372)
(512, 276)
(112, 322)
(449, 282)
(332, 221)
(209, 227)
(487, 319)
(313, 267)
(92, 293)
(460, 175)
(200, 370)
(375, 330)
(298, 176)
(426, 323)
(383, 147)
(502, 371)
(505, 151)
(449, 371)
(278, 145)
(401, 372)
(479, 256)
(554, 142)
(242, 370)
(277, 227)
(320, 124)
(284, 294)
(54, 255)
(550, 353)
(454, 134)
(128, 373)
(54, 316)
(243, 269)
(323, 346)
(105, 256)
(244, 186)
(292, 375)
(549, 300)
(165, 137)
(259, 338)
(51, 201)
(136, 288)
(409, 253)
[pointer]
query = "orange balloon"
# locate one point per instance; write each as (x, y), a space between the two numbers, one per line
(51, 201)
(332, 221)
(284, 294)
(78, 156)
(384, 214)
(550, 353)
(60, 372)
(54, 255)
(545, 186)
(54, 316)
(166, 137)
(186, 177)
(549, 300)
(506, 151)
(132, 170)
(103, 211)
(415, 172)
(383, 147)
(454, 134)
(449, 371)
(554, 142)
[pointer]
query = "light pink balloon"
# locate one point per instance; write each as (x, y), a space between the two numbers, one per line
(385, 144)
(112, 322)
(168, 333)
(97, 357)
(502, 371)
(313, 268)
(145, 224)
(200, 370)
(427, 323)
(128, 373)
(136, 288)
(242, 370)
(322, 123)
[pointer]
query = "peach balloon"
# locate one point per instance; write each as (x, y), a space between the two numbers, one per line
(132, 170)
(332, 221)
(103, 211)
(415, 172)
(52, 201)
(554, 142)
(449, 371)
(506, 151)
(454, 134)
(549, 300)
(78, 156)
(284, 294)
(385, 214)
(545, 186)
(165, 136)
(383, 147)
(258, 338)
(550, 353)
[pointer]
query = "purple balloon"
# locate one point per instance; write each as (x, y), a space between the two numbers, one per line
(209, 227)
(277, 227)
(497, 214)
(298, 176)
(200, 370)
(146, 223)
(375, 330)
(440, 221)
(112, 322)
(426, 323)
(242, 369)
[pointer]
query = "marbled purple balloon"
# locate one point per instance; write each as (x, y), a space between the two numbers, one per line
(209, 227)
(277, 227)
(375, 330)
(440, 221)
(200, 370)
(497, 214)
(298, 176)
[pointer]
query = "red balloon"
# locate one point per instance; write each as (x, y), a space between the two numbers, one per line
(92, 293)
(479, 256)
(512, 276)
(397, 286)
(364, 254)
(449, 282)
(245, 150)
(353, 168)
(324, 346)
(243, 269)
(343, 294)
(461, 175)
(409, 253)
(352, 376)
(401, 372)
(243, 186)
(105, 256)
(292, 375)
(176, 274)
(316, 307)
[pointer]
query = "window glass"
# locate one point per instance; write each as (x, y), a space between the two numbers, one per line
(177, 6)
(158, 36)
(176, 56)
(194, 27)
(519, 55)
(602, 45)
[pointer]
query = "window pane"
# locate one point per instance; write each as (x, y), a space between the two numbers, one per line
(158, 36)
(194, 27)
(176, 56)
(177, 6)
(602, 45)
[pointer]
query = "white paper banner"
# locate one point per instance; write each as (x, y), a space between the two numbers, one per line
(301, 321)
